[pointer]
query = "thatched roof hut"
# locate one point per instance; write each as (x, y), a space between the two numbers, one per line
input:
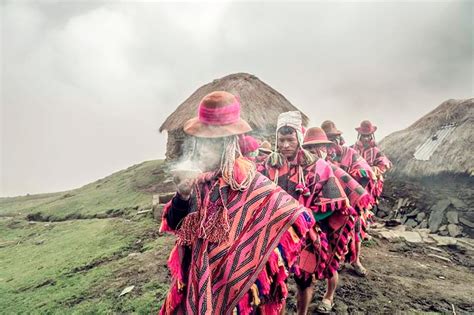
(441, 142)
(261, 105)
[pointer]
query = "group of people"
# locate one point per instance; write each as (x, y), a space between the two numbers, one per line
(257, 216)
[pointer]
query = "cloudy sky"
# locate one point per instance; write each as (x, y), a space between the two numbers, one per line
(85, 85)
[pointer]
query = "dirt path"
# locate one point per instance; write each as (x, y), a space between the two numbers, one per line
(403, 278)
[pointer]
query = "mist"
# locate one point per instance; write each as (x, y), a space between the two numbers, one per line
(85, 86)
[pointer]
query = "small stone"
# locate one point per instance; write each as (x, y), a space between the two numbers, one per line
(453, 217)
(458, 203)
(443, 241)
(411, 223)
(443, 228)
(466, 222)
(411, 237)
(127, 290)
(312, 308)
(393, 222)
(39, 242)
(437, 214)
(444, 233)
(420, 216)
(423, 224)
(413, 213)
(454, 230)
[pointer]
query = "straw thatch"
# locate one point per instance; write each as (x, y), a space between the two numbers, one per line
(261, 105)
(452, 155)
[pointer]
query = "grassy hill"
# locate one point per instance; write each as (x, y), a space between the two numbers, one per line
(77, 250)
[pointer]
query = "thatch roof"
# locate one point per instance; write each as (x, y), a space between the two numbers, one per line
(261, 104)
(439, 142)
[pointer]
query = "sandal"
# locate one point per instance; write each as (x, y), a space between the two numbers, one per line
(360, 270)
(324, 307)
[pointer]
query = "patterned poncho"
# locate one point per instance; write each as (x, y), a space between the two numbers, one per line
(360, 200)
(378, 161)
(234, 249)
(327, 243)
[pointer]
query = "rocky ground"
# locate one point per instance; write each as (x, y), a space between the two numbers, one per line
(405, 276)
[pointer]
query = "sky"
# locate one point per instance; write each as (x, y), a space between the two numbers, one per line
(85, 85)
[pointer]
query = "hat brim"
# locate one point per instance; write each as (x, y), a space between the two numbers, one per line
(268, 151)
(334, 133)
(365, 131)
(196, 128)
(317, 142)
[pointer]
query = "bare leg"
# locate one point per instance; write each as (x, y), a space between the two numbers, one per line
(303, 298)
(331, 289)
(361, 271)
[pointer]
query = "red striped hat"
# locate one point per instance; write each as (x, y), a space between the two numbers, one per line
(218, 116)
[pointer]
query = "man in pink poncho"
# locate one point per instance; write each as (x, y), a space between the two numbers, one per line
(350, 161)
(367, 148)
(237, 233)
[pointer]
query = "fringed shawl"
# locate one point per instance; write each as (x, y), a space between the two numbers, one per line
(263, 228)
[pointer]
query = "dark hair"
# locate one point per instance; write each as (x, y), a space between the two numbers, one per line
(286, 130)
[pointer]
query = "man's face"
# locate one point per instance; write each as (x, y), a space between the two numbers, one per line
(336, 139)
(208, 153)
(365, 139)
(288, 145)
(319, 150)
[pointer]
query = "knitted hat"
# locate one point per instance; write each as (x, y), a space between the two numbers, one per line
(291, 119)
(248, 144)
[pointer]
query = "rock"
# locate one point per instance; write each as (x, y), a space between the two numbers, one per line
(404, 219)
(155, 200)
(401, 201)
(381, 214)
(410, 237)
(411, 223)
(440, 257)
(312, 308)
(443, 240)
(423, 224)
(457, 203)
(453, 217)
(413, 213)
(444, 233)
(39, 242)
(420, 216)
(127, 290)
(391, 236)
(454, 230)
(437, 214)
(443, 228)
(164, 198)
(393, 222)
(466, 222)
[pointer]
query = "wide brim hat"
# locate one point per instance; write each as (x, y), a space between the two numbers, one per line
(329, 128)
(265, 147)
(315, 135)
(366, 128)
(218, 116)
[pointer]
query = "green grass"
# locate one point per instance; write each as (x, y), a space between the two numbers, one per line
(81, 266)
(122, 192)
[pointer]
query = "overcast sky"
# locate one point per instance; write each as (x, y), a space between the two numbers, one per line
(86, 85)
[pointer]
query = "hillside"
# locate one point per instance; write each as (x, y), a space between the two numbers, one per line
(76, 251)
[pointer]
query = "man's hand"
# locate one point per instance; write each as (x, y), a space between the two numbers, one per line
(184, 187)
